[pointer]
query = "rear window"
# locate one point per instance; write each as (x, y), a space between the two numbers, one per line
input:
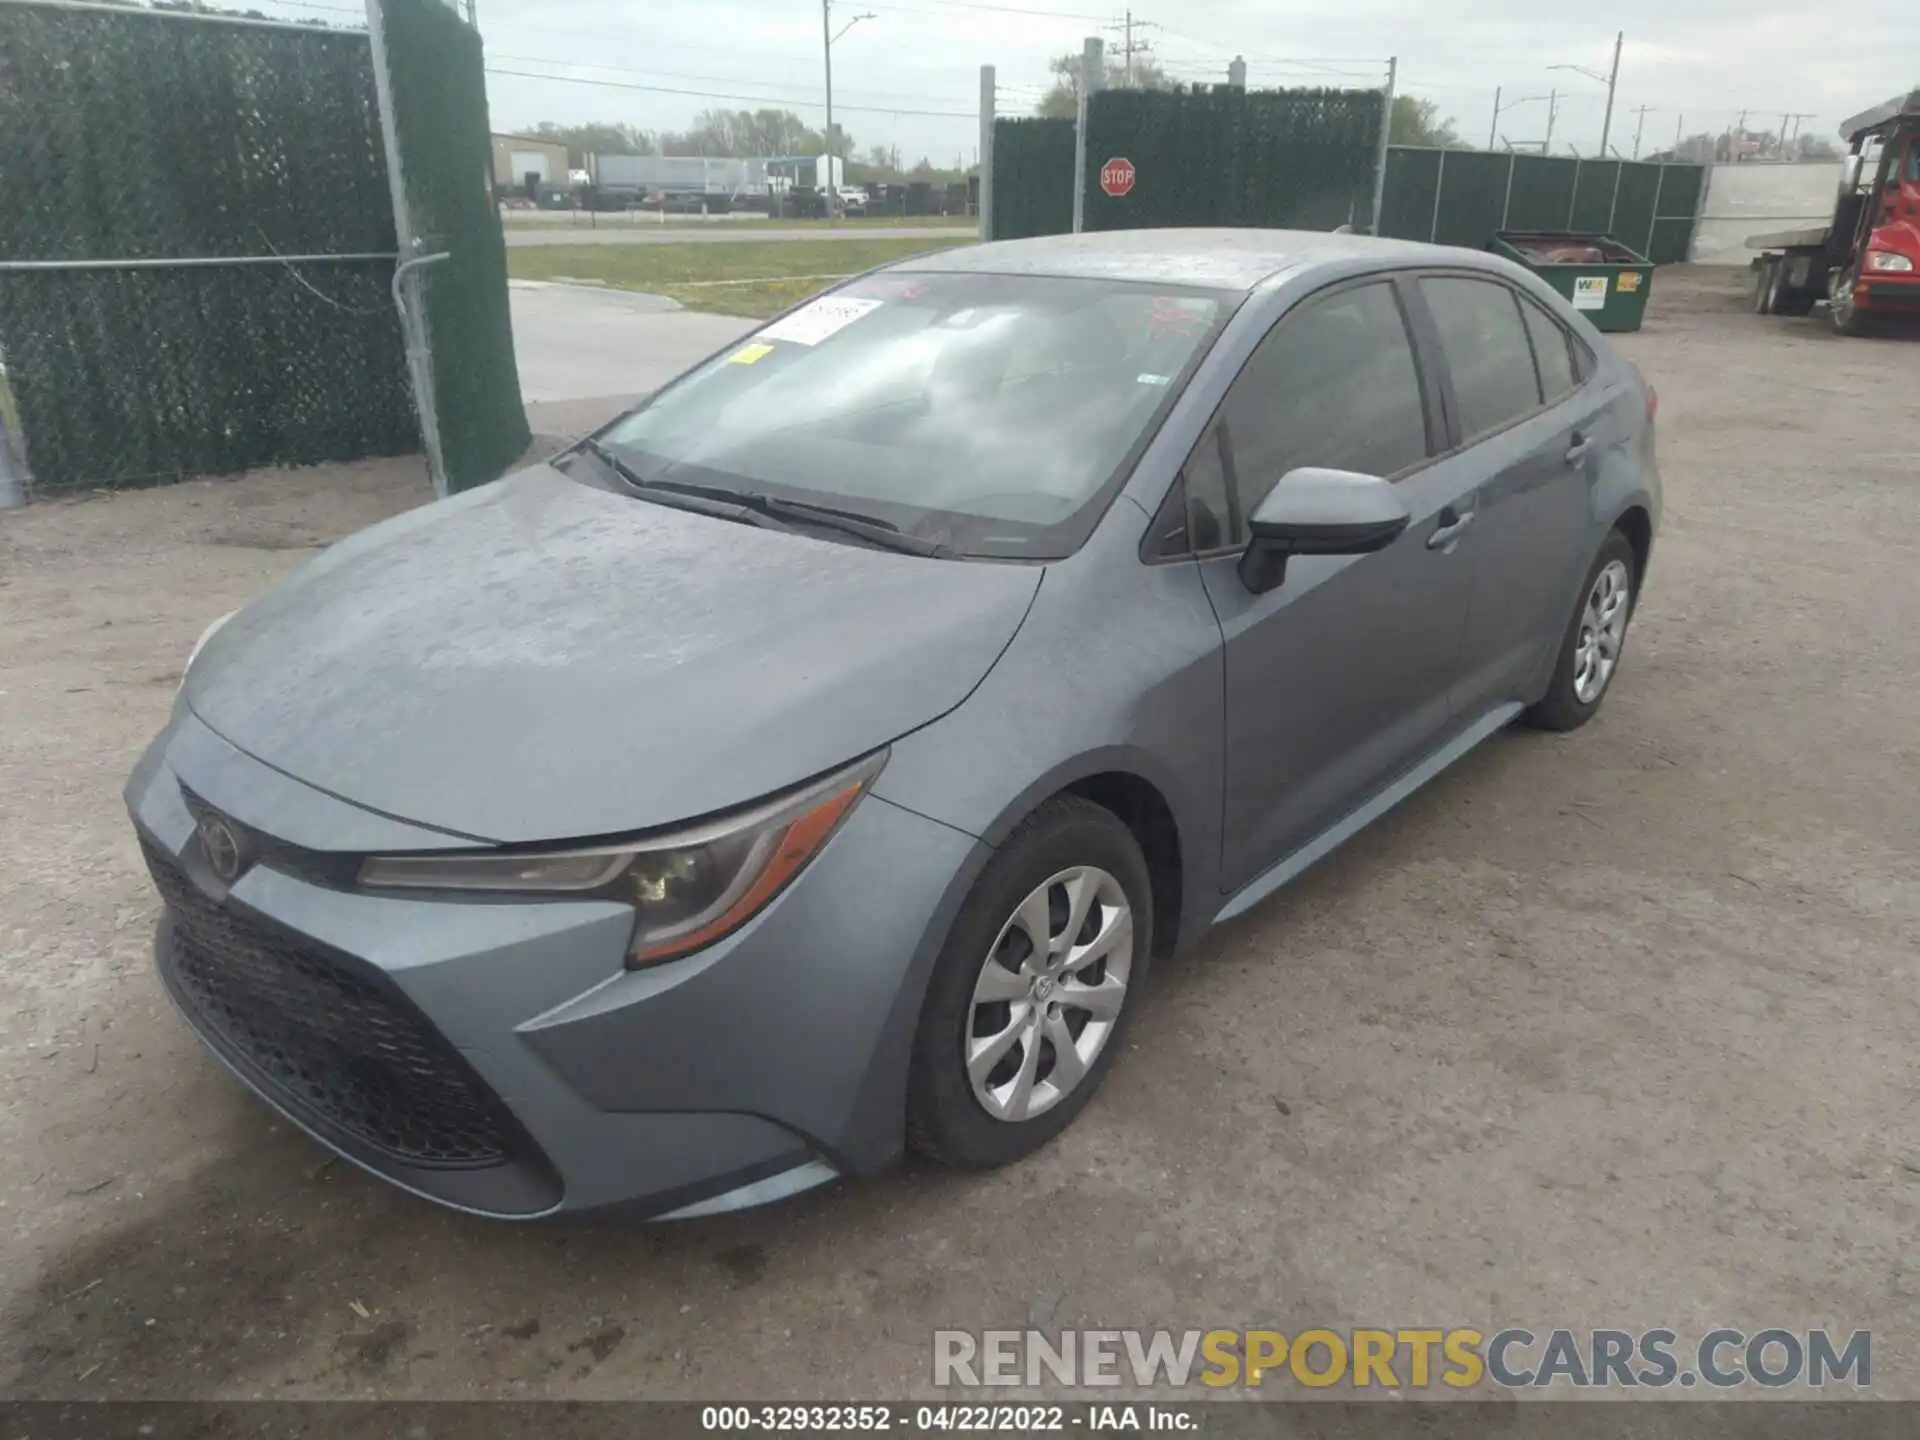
(991, 413)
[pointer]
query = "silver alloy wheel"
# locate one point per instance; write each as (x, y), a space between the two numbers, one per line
(1049, 992)
(1603, 631)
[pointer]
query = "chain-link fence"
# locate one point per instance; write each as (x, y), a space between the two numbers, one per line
(196, 244)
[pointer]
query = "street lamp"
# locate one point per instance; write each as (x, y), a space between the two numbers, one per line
(1611, 81)
(828, 36)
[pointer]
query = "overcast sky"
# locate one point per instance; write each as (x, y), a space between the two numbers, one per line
(1697, 61)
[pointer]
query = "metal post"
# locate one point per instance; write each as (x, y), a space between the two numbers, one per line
(1553, 109)
(1506, 200)
(1613, 79)
(13, 485)
(1613, 208)
(413, 320)
(1493, 125)
(1439, 185)
(1386, 133)
(1659, 187)
(1573, 202)
(1092, 72)
(987, 93)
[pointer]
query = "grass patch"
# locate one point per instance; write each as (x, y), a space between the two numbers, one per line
(773, 274)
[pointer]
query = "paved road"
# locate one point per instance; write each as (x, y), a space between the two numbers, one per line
(575, 344)
(620, 232)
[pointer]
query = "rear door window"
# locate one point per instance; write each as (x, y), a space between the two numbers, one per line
(1488, 354)
(1551, 352)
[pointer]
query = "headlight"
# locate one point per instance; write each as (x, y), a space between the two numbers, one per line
(1883, 261)
(689, 888)
(201, 644)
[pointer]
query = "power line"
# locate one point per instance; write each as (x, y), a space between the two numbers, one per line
(716, 79)
(718, 95)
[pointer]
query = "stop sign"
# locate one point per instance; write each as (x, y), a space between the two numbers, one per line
(1116, 176)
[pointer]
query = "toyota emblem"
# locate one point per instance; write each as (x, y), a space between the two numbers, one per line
(222, 847)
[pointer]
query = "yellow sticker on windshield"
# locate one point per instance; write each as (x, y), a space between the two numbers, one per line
(749, 354)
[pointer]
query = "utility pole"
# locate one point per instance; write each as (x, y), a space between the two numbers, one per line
(1678, 122)
(1553, 109)
(1613, 81)
(826, 43)
(1493, 125)
(1126, 26)
(827, 37)
(1640, 125)
(1386, 139)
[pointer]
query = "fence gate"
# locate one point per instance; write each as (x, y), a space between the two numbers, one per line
(452, 281)
(195, 248)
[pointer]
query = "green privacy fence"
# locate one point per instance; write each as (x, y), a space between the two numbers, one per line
(440, 119)
(1305, 159)
(1284, 159)
(1032, 178)
(1462, 197)
(160, 172)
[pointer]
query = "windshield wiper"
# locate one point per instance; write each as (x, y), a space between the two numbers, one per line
(871, 528)
(883, 533)
(698, 499)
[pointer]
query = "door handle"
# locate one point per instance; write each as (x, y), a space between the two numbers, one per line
(1452, 522)
(1577, 451)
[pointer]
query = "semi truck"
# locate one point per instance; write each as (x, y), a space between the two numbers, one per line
(1864, 264)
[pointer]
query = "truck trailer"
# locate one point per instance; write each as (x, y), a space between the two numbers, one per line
(1864, 264)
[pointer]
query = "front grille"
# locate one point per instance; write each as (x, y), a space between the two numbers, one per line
(331, 1040)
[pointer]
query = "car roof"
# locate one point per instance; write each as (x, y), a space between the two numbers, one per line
(1216, 258)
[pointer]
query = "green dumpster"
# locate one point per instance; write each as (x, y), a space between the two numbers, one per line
(1606, 281)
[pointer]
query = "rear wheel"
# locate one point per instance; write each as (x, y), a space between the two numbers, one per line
(1788, 298)
(1030, 1000)
(1590, 652)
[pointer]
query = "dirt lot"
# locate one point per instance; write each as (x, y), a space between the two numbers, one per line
(1609, 1029)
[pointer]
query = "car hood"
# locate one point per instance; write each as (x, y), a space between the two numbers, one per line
(542, 660)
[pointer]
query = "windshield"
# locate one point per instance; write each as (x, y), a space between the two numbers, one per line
(990, 413)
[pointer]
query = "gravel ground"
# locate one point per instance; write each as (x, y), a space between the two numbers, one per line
(1607, 1029)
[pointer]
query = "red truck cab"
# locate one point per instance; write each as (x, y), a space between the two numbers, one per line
(1865, 263)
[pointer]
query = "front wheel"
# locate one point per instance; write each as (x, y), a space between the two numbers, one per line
(1031, 997)
(1842, 313)
(1590, 652)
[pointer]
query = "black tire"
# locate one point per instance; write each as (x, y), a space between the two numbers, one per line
(1788, 299)
(1562, 708)
(946, 1122)
(1766, 273)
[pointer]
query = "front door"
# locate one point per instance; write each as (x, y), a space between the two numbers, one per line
(1337, 679)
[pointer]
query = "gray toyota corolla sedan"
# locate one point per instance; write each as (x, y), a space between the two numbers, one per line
(809, 766)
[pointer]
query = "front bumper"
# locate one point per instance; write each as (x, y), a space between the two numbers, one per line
(497, 1057)
(1888, 294)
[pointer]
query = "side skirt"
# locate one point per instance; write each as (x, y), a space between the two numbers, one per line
(1337, 834)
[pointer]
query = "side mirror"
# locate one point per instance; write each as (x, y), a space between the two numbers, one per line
(1320, 512)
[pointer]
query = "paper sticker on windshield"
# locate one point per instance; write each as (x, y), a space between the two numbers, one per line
(748, 354)
(1153, 379)
(1590, 292)
(811, 324)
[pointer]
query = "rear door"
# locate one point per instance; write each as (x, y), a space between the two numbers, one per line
(1532, 433)
(1337, 679)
